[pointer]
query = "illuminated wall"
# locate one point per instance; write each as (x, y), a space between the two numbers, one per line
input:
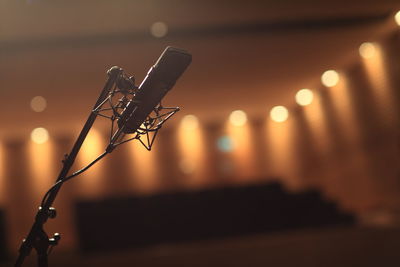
(192, 152)
(280, 136)
(377, 74)
(92, 182)
(242, 152)
(144, 170)
(41, 166)
(343, 141)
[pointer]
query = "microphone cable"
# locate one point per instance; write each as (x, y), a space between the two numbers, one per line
(60, 182)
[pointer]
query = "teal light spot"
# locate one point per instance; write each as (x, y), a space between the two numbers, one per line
(225, 144)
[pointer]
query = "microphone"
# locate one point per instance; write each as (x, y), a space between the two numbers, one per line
(159, 80)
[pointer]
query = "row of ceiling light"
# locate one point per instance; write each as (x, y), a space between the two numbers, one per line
(303, 97)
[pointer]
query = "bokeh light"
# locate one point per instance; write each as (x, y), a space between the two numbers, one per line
(330, 78)
(367, 50)
(225, 144)
(304, 97)
(39, 135)
(38, 103)
(190, 122)
(159, 29)
(279, 114)
(238, 118)
(397, 17)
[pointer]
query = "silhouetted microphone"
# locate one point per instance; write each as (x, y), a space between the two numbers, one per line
(159, 80)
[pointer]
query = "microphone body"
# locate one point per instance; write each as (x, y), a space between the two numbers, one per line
(159, 80)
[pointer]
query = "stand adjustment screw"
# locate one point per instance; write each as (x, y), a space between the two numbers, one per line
(54, 240)
(52, 212)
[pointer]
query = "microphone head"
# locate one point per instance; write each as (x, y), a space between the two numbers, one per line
(159, 80)
(171, 65)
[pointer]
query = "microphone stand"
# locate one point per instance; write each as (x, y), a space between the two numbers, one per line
(37, 237)
(168, 68)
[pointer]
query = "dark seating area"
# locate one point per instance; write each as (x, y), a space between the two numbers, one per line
(128, 222)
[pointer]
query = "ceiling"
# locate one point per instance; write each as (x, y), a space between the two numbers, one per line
(248, 55)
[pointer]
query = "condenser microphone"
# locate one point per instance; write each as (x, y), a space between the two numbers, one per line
(159, 80)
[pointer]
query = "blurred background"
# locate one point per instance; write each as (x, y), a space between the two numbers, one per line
(285, 151)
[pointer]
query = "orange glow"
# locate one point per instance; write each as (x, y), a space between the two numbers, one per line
(243, 150)
(91, 181)
(190, 122)
(145, 178)
(344, 110)
(41, 163)
(314, 115)
(187, 166)
(377, 75)
(281, 152)
(332, 125)
(192, 154)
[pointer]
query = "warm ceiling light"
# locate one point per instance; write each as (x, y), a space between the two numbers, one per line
(38, 103)
(304, 97)
(397, 17)
(238, 118)
(330, 78)
(159, 29)
(367, 50)
(279, 114)
(190, 122)
(39, 135)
